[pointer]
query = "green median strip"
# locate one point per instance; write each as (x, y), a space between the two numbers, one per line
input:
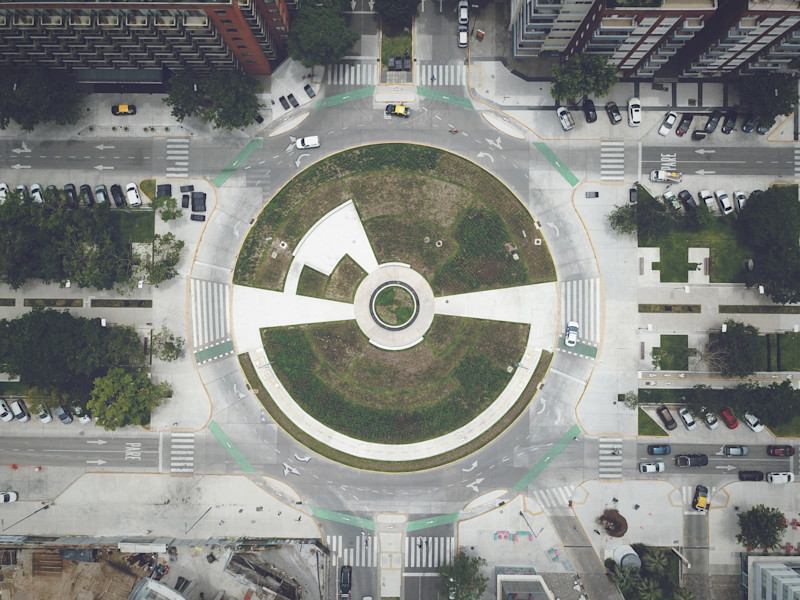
(223, 439)
(213, 352)
(432, 522)
(540, 466)
(444, 97)
(556, 162)
(346, 97)
(330, 515)
(237, 162)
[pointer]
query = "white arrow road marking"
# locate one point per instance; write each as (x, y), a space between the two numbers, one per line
(474, 484)
(704, 172)
(287, 469)
(97, 462)
(103, 168)
(103, 147)
(472, 468)
(21, 166)
(98, 442)
(304, 459)
(726, 467)
(23, 149)
(494, 143)
(704, 151)
(297, 160)
(482, 154)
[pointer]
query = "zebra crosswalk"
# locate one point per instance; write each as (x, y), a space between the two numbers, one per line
(581, 302)
(177, 157)
(610, 458)
(210, 320)
(181, 452)
(440, 75)
(552, 497)
(796, 162)
(612, 160)
(428, 552)
(358, 551)
(363, 74)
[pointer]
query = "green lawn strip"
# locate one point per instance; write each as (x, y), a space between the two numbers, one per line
(54, 302)
(788, 429)
(114, 303)
(8, 302)
(759, 310)
(648, 427)
(13, 388)
(400, 466)
(148, 188)
(311, 283)
(790, 352)
(676, 358)
(134, 227)
(670, 308)
(726, 253)
(763, 350)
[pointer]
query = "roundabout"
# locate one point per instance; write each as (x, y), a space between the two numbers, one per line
(387, 361)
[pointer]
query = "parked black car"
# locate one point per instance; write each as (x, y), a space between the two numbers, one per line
(185, 201)
(688, 201)
(713, 121)
(730, 122)
(309, 90)
(749, 123)
(589, 111)
(71, 196)
(86, 195)
(762, 129)
(283, 102)
(751, 476)
(612, 110)
(117, 196)
(293, 101)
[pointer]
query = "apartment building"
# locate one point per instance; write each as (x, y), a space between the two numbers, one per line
(119, 35)
(665, 40)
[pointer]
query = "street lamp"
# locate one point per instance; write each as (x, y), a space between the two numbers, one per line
(45, 507)
(522, 514)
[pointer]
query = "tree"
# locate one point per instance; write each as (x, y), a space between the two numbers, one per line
(320, 35)
(734, 352)
(121, 398)
(630, 400)
(31, 96)
(623, 219)
(683, 594)
(168, 207)
(625, 578)
(159, 266)
(397, 12)
(166, 345)
(769, 95)
(655, 561)
(462, 580)
(583, 75)
(228, 99)
(761, 527)
(649, 589)
(233, 99)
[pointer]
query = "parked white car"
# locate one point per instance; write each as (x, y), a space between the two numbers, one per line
(753, 422)
(778, 477)
(634, 112)
(571, 335)
(724, 202)
(132, 192)
(707, 197)
(669, 121)
(687, 418)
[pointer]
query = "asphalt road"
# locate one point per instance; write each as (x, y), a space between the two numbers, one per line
(98, 450)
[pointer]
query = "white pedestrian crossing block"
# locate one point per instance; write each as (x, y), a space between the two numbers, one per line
(581, 301)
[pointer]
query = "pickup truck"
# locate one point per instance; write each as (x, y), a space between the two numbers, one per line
(665, 176)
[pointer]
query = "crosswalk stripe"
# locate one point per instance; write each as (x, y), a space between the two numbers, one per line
(209, 314)
(177, 153)
(581, 302)
(612, 156)
(181, 452)
(551, 497)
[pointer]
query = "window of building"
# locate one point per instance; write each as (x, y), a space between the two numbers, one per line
(280, 28)
(220, 12)
(238, 39)
(246, 54)
(242, 47)
(227, 21)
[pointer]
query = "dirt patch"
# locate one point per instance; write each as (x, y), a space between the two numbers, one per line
(613, 523)
(394, 305)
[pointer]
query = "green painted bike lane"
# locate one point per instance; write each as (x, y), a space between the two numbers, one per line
(237, 162)
(551, 157)
(226, 442)
(540, 466)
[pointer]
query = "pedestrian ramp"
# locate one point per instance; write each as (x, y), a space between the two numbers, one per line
(554, 497)
(610, 458)
(356, 551)
(612, 160)
(423, 552)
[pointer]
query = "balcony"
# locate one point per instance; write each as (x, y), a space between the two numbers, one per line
(199, 22)
(165, 21)
(23, 20)
(108, 21)
(137, 21)
(80, 20)
(52, 21)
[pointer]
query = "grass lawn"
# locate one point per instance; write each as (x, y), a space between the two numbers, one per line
(148, 188)
(135, 227)
(789, 352)
(727, 255)
(647, 426)
(790, 429)
(13, 388)
(394, 42)
(675, 352)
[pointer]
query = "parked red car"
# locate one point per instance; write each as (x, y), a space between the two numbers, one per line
(728, 418)
(780, 450)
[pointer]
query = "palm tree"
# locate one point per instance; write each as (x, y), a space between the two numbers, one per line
(683, 594)
(649, 589)
(625, 578)
(656, 561)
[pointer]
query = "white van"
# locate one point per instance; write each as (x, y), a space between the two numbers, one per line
(19, 411)
(307, 142)
(133, 195)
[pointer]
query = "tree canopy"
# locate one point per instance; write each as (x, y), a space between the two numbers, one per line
(397, 12)
(320, 35)
(52, 350)
(122, 398)
(761, 527)
(166, 345)
(31, 96)
(734, 352)
(227, 99)
(770, 225)
(768, 95)
(775, 404)
(582, 75)
(462, 580)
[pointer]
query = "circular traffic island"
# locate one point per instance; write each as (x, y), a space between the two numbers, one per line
(397, 284)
